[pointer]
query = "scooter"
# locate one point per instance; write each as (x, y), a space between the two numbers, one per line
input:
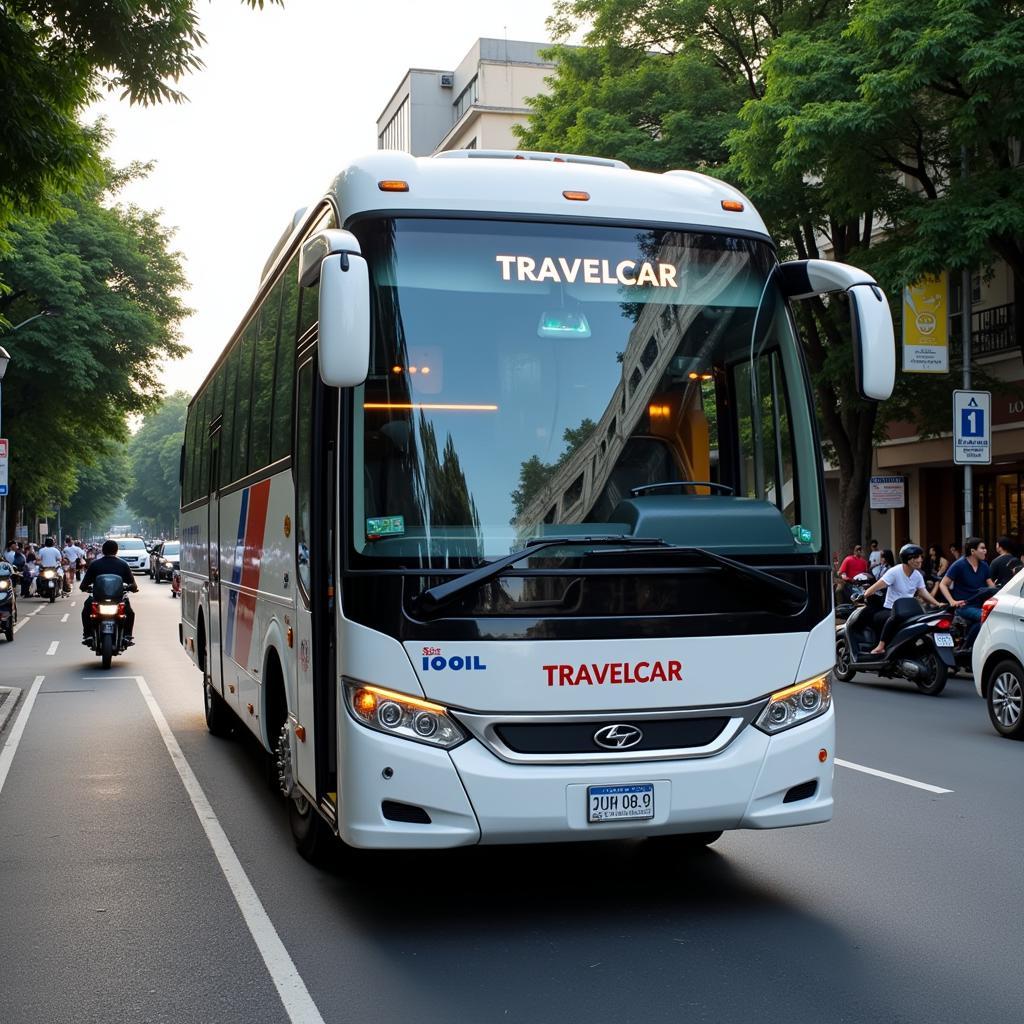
(921, 650)
(8, 603)
(962, 650)
(50, 583)
(108, 617)
(857, 586)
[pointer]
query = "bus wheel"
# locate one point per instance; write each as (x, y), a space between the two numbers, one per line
(218, 714)
(313, 839)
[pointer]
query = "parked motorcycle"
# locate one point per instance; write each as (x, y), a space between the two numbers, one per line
(50, 583)
(8, 601)
(921, 650)
(108, 617)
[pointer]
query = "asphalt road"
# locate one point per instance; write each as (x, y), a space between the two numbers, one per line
(115, 906)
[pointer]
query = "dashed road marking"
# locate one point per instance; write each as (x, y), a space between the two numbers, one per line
(64, 617)
(8, 749)
(52, 649)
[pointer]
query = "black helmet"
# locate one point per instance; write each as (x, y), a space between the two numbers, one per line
(909, 551)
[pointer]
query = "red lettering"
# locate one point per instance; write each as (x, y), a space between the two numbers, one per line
(583, 676)
(675, 671)
(657, 672)
(601, 672)
(565, 675)
(550, 669)
(640, 678)
(616, 668)
(629, 672)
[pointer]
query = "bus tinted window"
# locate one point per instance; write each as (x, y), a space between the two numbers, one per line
(281, 443)
(243, 403)
(263, 379)
(202, 481)
(228, 432)
(302, 463)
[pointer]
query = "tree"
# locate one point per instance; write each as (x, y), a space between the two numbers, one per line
(534, 475)
(154, 457)
(109, 272)
(55, 59)
(99, 490)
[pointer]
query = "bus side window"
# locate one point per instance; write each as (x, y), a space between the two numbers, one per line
(281, 440)
(228, 428)
(243, 401)
(263, 378)
(302, 466)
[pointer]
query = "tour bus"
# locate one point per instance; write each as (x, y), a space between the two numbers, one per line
(502, 511)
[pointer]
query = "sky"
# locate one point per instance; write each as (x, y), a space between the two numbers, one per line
(286, 99)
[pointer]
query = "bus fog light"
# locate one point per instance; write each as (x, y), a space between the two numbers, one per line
(796, 705)
(398, 714)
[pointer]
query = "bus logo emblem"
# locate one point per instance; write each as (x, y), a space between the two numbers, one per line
(618, 737)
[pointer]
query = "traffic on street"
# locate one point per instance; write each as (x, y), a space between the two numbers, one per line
(148, 874)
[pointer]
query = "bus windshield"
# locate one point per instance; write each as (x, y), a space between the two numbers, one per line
(526, 378)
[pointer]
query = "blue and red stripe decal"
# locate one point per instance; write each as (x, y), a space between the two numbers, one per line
(245, 570)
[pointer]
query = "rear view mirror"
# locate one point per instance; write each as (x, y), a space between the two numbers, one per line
(344, 344)
(874, 342)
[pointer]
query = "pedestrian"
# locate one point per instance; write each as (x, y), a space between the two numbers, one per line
(965, 579)
(886, 561)
(935, 568)
(1007, 562)
(954, 551)
(874, 557)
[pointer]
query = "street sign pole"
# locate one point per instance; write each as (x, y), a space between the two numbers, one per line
(965, 334)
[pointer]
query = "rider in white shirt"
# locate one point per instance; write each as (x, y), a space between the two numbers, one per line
(75, 556)
(48, 556)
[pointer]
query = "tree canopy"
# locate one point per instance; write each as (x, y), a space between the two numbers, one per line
(154, 454)
(843, 122)
(108, 274)
(55, 59)
(99, 490)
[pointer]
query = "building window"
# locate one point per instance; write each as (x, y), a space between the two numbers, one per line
(396, 132)
(467, 98)
(471, 144)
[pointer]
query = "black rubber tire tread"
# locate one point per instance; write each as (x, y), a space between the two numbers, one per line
(106, 649)
(848, 673)
(937, 681)
(220, 720)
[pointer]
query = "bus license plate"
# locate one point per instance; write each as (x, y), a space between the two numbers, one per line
(620, 803)
(943, 640)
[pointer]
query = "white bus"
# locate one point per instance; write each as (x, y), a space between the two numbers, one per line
(502, 511)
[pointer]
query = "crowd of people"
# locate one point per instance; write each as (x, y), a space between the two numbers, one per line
(29, 559)
(956, 578)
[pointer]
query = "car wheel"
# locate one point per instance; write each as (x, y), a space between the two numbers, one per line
(1006, 700)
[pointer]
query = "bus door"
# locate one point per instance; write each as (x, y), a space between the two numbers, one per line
(313, 466)
(214, 662)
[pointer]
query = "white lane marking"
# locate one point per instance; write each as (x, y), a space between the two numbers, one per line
(64, 617)
(892, 778)
(38, 610)
(8, 749)
(298, 1003)
(52, 649)
(73, 604)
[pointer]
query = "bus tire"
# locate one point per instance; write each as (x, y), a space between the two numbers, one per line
(313, 838)
(219, 719)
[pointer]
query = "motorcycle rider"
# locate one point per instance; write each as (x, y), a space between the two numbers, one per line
(969, 575)
(75, 556)
(854, 564)
(904, 580)
(109, 564)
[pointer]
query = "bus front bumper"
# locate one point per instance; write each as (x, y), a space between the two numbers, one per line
(472, 796)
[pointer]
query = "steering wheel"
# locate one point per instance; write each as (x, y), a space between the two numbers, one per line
(636, 491)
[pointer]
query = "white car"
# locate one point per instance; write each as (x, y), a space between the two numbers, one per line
(998, 659)
(133, 551)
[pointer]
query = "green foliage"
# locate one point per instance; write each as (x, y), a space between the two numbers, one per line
(535, 474)
(56, 58)
(100, 487)
(108, 274)
(154, 457)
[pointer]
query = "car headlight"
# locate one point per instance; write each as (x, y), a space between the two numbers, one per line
(398, 714)
(4, 585)
(796, 705)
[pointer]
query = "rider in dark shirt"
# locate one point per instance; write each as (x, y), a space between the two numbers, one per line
(109, 564)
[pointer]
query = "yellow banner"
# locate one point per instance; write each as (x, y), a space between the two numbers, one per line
(926, 326)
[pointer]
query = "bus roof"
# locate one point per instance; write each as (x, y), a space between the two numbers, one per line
(524, 184)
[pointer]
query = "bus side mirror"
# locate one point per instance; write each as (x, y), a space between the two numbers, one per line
(344, 344)
(874, 342)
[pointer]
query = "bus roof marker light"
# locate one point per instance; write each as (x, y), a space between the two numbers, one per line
(579, 197)
(732, 205)
(393, 185)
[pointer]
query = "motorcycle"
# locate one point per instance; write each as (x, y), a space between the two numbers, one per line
(176, 583)
(108, 617)
(50, 583)
(8, 603)
(962, 650)
(921, 651)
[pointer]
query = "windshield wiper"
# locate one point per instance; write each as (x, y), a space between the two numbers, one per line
(788, 590)
(431, 600)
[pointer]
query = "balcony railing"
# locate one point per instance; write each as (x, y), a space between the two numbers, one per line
(993, 330)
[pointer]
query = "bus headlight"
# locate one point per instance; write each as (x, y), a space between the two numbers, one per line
(398, 714)
(796, 705)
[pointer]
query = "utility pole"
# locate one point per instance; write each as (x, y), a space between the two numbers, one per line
(965, 336)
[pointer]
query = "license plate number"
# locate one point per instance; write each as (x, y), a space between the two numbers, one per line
(620, 803)
(106, 627)
(943, 640)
